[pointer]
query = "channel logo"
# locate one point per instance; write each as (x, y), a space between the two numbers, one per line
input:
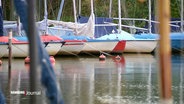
(26, 93)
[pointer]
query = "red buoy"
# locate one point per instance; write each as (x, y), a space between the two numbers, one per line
(102, 57)
(1, 62)
(27, 60)
(118, 57)
(52, 59)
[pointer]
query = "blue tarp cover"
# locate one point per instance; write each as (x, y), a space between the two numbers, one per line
(1, 21)
(100, 30)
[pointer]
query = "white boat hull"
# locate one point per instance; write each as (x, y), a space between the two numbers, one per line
(71, 48)
(22, 49)
(18, 50)
(140, 46)
(99, 46)
(129, 46)
(53, 48)
(4, 50)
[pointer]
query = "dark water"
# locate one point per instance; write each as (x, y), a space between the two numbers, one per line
(86, 80)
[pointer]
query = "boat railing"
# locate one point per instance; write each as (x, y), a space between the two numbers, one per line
(60, 28)
(146, 20)
(133, 26)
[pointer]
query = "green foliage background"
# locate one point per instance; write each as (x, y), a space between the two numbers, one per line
(130, 9)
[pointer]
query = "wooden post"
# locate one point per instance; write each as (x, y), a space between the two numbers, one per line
(165, 51)
(10, 52)
(9, 63)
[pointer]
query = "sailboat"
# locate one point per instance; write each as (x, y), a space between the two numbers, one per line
(176, 35)
(115, 41)
(105, 30)
(70, 46)
(20, 42)
(19, 48)
(20, 45)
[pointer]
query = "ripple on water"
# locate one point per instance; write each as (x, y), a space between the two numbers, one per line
(107, 99)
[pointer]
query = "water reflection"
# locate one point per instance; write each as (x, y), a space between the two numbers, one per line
(18, 80)
(89, 81)
(130, 79)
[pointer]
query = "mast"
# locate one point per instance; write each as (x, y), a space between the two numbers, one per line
(149, 16)
(92, 10)
(74, 9)
(110, 8)
(93, 16)
(60, 10)
(119, 14)
(182, 16)
(79, 7)
(45, 16)
(75, 17)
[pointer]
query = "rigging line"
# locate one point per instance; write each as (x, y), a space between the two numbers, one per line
(97, 50)
(2, 55)
(53, 13)
(179, 50)
(89, 54)
(105, 19)
(135, 6)
(125, 11)
(69, 52)
(71, 15)
(85, 43)
(16, 46)
(178, 6)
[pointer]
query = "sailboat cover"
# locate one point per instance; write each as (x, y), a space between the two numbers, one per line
(86, 29)
(102, 30)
